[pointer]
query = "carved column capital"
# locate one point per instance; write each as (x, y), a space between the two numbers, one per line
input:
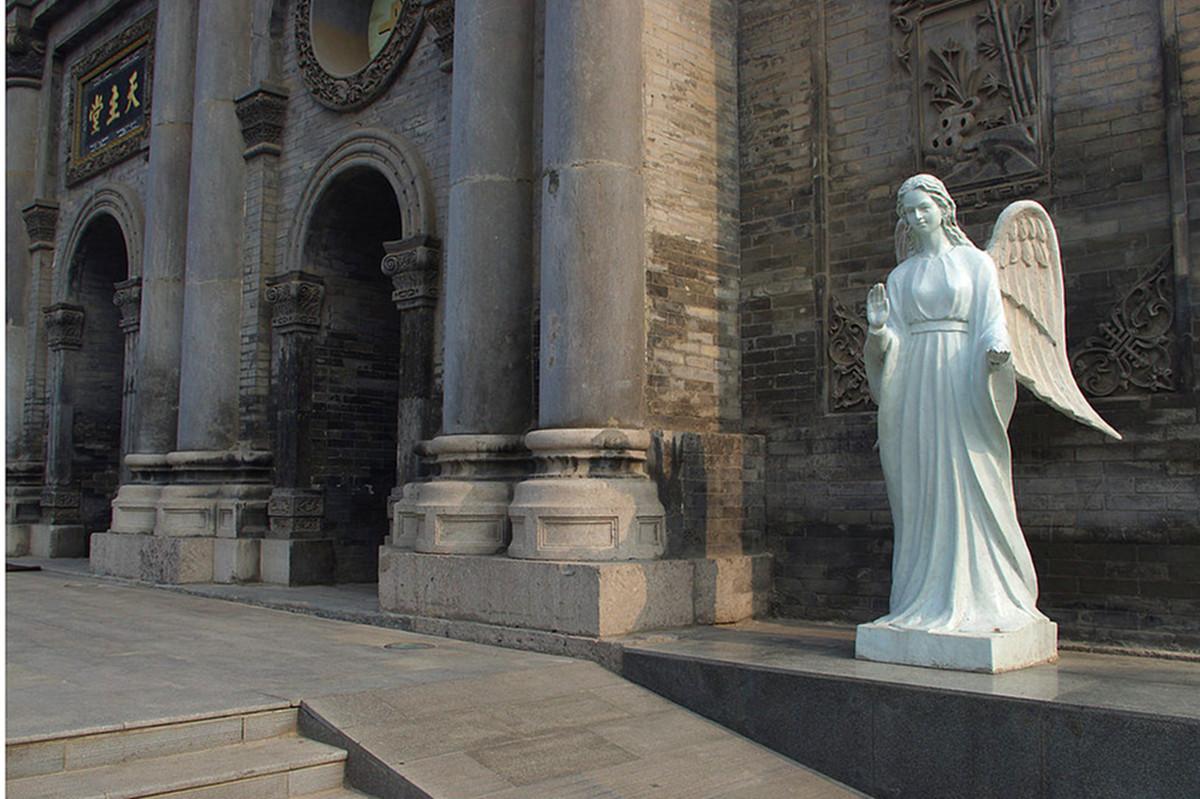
(41, 223)
(440, 14)
(261, 113)
(26, 50)
(128, 298)
(295, 299)
(412, 264)
(64, 326)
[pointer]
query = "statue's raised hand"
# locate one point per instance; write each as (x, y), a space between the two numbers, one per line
(878, 307)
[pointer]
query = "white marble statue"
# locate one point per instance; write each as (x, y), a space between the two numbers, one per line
(945, 337)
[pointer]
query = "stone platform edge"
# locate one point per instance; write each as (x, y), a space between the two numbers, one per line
(575, 598)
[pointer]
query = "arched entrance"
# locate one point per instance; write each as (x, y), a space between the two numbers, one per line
(86, 386)
(355, 353)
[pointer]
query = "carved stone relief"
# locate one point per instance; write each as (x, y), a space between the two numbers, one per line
(41, 223)
(980, 79)
(346, 92)
(412, 264)
(26, 51)
(1132, 350)
(261, 113)
(440, 14)
(295, 300)
(848, 379)
(128, 299)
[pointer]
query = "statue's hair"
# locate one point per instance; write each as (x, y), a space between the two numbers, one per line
(939, 194)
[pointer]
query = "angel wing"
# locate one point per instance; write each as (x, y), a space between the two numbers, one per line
(1024, 246)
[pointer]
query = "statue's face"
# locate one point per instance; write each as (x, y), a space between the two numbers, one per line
(921, 212)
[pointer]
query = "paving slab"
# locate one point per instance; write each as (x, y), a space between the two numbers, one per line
(458, 719)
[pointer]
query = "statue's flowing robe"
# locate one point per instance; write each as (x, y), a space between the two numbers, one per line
(960, 563)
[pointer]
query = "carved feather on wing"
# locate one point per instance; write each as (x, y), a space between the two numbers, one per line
(1024, 246)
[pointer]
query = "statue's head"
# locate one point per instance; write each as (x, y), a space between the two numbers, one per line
(936, 190)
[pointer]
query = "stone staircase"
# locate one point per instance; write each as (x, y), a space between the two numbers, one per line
(252, 755)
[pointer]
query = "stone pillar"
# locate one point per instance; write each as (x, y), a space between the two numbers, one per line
(219, 486)
(60, 533)
(127, 296)
(22, 453)
(488, 375)
(591, 498)
(295, 552)
(157, 352)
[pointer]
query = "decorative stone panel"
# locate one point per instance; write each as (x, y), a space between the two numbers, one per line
(848, 389)
(128, 299)
(261, 113)
(296, 300)
(412, 264)
(64, 326)
(295, 513)
(1132, 351)
(61, 504)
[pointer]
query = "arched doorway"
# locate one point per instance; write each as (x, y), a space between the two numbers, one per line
(355, 366)
(86, 385)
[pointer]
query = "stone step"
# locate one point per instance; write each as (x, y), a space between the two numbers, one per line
(74, 751)
(275, 768)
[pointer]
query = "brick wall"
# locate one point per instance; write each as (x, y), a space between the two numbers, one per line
(827, 136)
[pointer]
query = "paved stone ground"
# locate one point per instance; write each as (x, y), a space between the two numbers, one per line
(458, 719)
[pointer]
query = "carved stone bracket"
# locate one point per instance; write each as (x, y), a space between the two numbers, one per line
(41, 223)
(412, 264)
(26, 50)
(1133, 348)
(440, 14)
(128, 299)
(64, 326)
(261, 113)
(295, 299)
(848, 389)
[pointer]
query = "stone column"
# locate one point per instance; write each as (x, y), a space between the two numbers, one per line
(295, 552)
(60, 533)
(157, 353)
(22, 451)
(488, 375)
(591, 498)
(127, 296)
(219, 486)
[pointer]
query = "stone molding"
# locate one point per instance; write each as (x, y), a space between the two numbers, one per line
(128, 298)
(295, 300)
(351, 92)
(41, 223)
(1132, 350)
(440, 15)
(262, 112)
(64, 326)
(413, 264)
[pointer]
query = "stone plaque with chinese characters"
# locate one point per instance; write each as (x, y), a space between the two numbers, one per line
(110, 101)
(980, 77)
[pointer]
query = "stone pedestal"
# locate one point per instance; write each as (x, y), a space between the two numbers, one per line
(1033, 644)
(465, 510)
(571, 597)
(590, 499)
(22, 504)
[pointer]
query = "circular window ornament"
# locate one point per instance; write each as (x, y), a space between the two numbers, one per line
(349, 51)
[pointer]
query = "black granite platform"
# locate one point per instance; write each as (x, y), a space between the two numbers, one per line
(1091, 725)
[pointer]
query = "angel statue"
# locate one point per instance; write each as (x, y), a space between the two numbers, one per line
(945, 337)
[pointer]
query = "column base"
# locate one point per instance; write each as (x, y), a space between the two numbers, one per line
(153, 559)
(576, 598)
(297, 561)
(591, 501)
(58, 541)
(1033, 644)
(16, 540)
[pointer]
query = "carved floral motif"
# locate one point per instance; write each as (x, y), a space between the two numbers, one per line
(349, 92)
(1132, 349)
(41, 223)
(128, 299)
(440, 14)
(261, 113)
(26, 51)
(847, 333)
